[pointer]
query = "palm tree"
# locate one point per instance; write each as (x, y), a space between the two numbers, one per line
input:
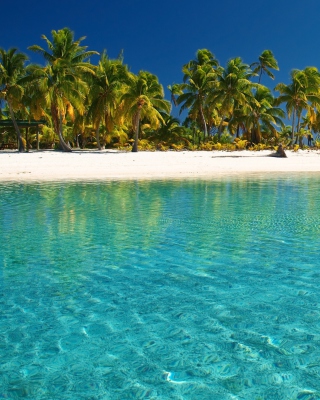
(200, 75)
(265, 63)
(237, 121)
(301, 94)
(295, 101)
(143, 99)
(203, 57)
(284, 134)
(233, 90)
(195, 92)
(263, 113)
(11, 71)
(175, 90)
(104, 91)
(61, 84)
(170, 131)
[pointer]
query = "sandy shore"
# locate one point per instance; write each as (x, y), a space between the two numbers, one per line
(114, 165)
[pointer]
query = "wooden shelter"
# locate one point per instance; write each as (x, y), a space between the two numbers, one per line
(23, 124)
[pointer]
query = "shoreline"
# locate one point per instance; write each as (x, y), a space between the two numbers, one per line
(112, 165)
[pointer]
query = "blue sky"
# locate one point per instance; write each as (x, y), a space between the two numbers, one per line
(161, 36)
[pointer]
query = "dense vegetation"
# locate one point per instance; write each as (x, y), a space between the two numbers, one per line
(106, 105)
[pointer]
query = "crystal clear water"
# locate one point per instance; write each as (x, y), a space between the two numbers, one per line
(160, 290)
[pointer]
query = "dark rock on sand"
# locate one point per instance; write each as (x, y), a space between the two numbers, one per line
(279, 153)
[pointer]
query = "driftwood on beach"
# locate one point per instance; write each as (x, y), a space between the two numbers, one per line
(279, 153)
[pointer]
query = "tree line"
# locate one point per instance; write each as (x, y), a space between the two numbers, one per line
(106, 105)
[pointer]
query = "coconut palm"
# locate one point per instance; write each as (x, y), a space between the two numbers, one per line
(295, 101)
(11, 90)
(104, 92)
(203, 57)
(175, 90)
(61, 84)
(236, 124)
(170, 131)
(196, 90)
(265, 63)
(200, 76)
(143, 99)
(263, 112)
(301, 94)
(284, 134)
(233, 90)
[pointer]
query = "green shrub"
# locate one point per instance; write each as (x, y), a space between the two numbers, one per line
(146, 145)
(240, 144)
(162, 146)
(258, 147)
(317, 144)
(177, 147)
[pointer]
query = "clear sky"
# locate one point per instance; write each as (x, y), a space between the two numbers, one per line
(161, 36)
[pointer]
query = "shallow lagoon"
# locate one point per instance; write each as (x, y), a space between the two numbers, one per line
(161, 290)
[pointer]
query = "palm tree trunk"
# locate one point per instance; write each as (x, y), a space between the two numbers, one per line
(257, 134)
(298, 130)
(57, 123)
(98, 136)
(220, 127)
(136, 136)
(204, 122)
(293, 121)
(298, 124)
(98, 139)
(20, 142)
(238, 131)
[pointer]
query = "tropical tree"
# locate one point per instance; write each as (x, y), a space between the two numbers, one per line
(237, 122)
(203, 57)
(233, 90)
(170, 131)
(263, 113)
(301, 94)
(175, 90)
(105, 90)
(61, 84)
(266, 62)
(199, 78)
(11, 90)
(284, 134)
(144, 99)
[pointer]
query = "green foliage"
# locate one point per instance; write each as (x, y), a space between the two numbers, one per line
(208, 146)
(47, 137)
(266, 62)
(145, 145)
(192, 147)
(12, 71)
(106, 104)
(259, 147)
(162, 146)
(226, 138)
(240, 144)
(178, 147)
(143, 99)
(230, 147)
(62, 84)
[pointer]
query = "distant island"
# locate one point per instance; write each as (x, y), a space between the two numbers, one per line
(69, 103)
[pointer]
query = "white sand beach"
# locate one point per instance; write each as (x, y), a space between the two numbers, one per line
(116, 165)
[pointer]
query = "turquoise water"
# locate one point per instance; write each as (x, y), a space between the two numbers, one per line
(160, 290)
